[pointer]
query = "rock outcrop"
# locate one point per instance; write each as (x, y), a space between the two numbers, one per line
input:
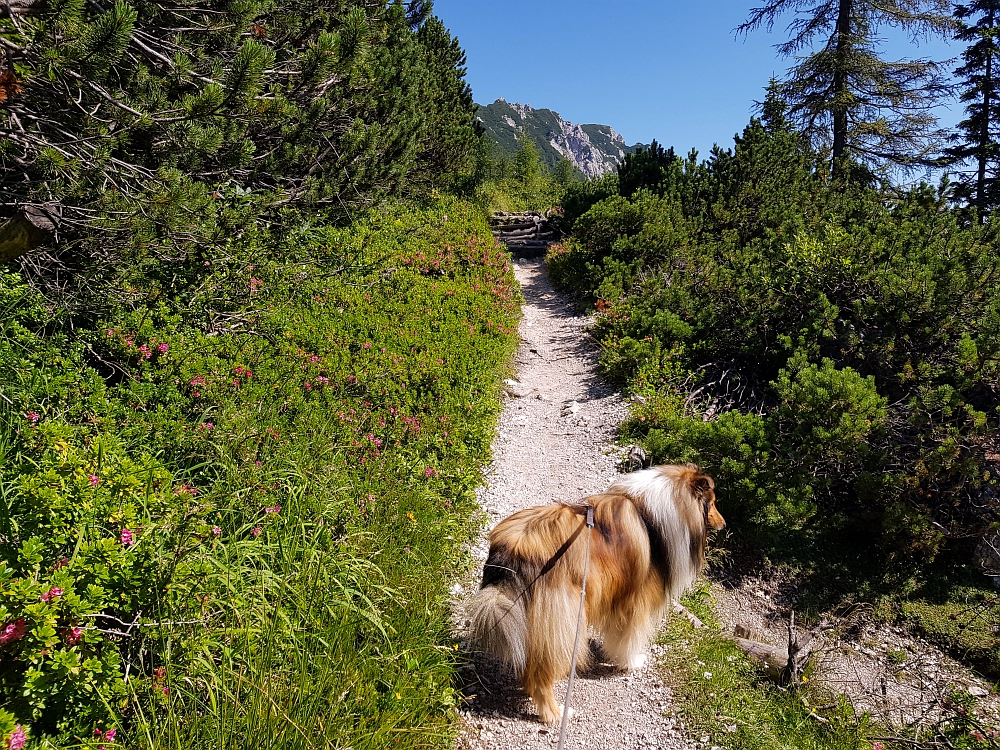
(593, 149)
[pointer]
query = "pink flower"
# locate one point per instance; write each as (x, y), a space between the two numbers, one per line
(32, 416)
(145, 351)
(162, 349)
(126, 538)
(429, 472)
(207, 426)
(52, 593)
(12, 631)
(73, 636)
(94, 480)
(877, 746)
(17, 738)
(110, 735)
(255, 531)
(276, 509)
(216, 532)
(198, 380)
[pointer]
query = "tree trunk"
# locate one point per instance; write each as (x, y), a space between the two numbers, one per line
(984, 130)
(843, 33)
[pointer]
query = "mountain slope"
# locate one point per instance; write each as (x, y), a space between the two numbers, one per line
(593, 149)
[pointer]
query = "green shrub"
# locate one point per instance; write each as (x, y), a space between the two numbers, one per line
(848, 334)
(328, 398)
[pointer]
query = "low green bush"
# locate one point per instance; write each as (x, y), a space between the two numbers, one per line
(291, 434)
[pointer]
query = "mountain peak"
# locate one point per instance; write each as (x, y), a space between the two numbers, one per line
(593, 149)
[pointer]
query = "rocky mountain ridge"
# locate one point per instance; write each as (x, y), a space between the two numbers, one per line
(593, 149)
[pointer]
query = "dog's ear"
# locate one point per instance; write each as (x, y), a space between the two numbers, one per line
(702, 485)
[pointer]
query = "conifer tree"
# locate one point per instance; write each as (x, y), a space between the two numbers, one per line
(139, 113)
(844, 95)
(978, 136)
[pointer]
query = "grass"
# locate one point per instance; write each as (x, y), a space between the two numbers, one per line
(726, 699)
(317, 463)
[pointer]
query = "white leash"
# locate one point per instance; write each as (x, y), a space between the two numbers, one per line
(579, 627)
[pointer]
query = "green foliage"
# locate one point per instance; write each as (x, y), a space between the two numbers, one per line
(844, 95)
(319, 403)
(976, 139)
(142, 111)
(828, 353)
(520, 183)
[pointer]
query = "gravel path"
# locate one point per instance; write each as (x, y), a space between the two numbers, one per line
(555, 442)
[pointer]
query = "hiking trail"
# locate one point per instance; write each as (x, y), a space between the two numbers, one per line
(556, 442)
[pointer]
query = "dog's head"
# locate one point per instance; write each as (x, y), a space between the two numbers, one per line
(703, 488)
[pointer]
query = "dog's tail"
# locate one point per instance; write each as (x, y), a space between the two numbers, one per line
(500, 624)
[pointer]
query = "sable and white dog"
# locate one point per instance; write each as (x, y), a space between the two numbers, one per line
(647, 547)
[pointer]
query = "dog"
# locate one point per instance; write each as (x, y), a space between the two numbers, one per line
(646, 549)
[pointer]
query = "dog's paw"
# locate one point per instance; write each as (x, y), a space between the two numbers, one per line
(553, 715)
(635, 663)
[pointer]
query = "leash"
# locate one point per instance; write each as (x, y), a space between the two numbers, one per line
(579, 627)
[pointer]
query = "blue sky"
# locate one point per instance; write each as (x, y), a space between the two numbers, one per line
(666, 69)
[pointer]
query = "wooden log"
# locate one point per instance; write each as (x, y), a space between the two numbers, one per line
(524, 235)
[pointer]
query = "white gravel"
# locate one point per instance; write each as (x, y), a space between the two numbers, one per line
(555, 442)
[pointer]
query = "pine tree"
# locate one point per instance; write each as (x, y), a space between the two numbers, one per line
(143, 109)
(843, 95)
(978, 137)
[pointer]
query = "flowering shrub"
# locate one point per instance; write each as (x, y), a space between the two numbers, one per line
(317, 446)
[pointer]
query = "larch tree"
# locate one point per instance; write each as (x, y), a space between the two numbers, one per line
(840, 91)
(977, 140)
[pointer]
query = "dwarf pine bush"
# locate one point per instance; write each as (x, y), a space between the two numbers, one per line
(827, 351)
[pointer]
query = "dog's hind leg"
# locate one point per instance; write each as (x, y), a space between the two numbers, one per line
(551, 632)
(626, 641)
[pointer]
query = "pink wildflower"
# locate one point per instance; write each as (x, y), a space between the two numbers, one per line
(17, 738)
(126, 538)
(162, 349)
(216, 532)
(52, 593)
(877, 746)
(198, 380)
(207, 426)
(255, 531)
(429, 472)
(145, 351)
(73, 636)
(94, 480)
(12, 631)
(32, 416)
(110, 735)
(276, 509)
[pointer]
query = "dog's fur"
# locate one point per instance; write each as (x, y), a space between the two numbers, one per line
(647, 547)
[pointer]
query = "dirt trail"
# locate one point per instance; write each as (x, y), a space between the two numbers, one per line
(555, 442)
